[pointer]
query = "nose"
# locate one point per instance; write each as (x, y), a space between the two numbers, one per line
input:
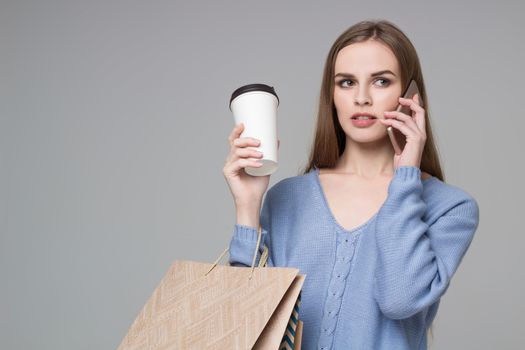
(362, 96)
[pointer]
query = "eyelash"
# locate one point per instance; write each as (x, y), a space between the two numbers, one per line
(340, 82)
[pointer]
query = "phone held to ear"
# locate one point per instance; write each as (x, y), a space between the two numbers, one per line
(397, 138)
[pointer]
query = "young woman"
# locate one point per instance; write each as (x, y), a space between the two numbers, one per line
(378, 235)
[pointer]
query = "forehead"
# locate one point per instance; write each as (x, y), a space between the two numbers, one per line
(365, 57)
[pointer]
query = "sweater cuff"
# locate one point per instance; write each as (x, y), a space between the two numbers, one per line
(407, 173)
(248, 233)
(406, 178)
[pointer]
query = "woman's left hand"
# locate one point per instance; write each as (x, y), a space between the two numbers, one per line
(413, 127)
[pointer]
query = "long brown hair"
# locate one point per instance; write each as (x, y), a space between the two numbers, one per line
(326, 149)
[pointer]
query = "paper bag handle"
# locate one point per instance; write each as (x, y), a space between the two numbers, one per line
(262, 261)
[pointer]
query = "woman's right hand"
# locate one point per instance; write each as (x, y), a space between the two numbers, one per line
(246, 189)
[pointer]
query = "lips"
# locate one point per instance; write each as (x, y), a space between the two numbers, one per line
(363, 120)
(363, 116)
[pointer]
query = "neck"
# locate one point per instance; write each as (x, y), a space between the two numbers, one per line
(368, 160)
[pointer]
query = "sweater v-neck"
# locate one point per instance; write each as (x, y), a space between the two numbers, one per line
(326, 207)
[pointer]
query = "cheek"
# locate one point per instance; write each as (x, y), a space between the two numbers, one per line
(388, 100)
(341, 99)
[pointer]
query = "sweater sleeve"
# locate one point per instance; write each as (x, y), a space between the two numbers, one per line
(244, 240)
(415, 260)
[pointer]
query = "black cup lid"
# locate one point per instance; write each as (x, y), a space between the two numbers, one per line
(253, 87)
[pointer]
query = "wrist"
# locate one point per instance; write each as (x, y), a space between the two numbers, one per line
(248, 217)
(248, 204)
(248, 212)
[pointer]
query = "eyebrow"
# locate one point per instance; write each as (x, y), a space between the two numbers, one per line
(348, 75)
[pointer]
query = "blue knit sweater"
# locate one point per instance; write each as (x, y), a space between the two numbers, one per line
(377, 286)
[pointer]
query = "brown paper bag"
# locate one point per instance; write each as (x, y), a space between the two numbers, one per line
(209, 306)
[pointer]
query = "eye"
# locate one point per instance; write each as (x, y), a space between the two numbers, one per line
(386, 82)
(341, 83)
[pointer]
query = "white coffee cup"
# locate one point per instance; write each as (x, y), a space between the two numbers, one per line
(255, 106)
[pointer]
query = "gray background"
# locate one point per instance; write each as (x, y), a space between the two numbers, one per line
(114, 125)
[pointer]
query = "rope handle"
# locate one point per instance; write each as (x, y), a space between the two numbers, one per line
(262, 261)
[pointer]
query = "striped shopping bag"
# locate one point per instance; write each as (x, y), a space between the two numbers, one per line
(292, 336)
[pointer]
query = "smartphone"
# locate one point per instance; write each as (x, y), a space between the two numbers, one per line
(397, 138)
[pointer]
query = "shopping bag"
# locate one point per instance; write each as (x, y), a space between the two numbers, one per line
(209, 306)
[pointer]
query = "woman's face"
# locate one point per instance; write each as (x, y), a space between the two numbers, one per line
(367, 80)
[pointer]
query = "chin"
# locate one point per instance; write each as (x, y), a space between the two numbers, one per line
(367, 136)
